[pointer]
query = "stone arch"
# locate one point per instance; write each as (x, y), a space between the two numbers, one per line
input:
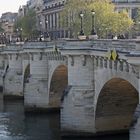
(115, 106)
(58, 82)
(102, 76)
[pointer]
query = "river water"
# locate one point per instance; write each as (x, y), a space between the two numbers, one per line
(16, 125)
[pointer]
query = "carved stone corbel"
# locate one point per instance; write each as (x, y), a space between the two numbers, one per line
(101, 62)
(31, 56)
(115, 65)
(17, 56)
(10, 56)
(83, 59)
(66, 60)
(71, 60)
(40, 56)
(96, 61)
(121, 65)
(105, 63)
(110, 64)
(126, 67)
(135, 70)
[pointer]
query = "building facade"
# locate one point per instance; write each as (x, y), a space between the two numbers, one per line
(49, 19)
(130, 5)
(7, 24)
(49, 15)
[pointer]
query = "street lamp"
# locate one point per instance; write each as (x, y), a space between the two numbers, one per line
(40, 22)
(40, 25)
(19, 32)
(93, 23)
(46, 24)
(81, 16)
(40, 38)
(106, 32)
(47, 33)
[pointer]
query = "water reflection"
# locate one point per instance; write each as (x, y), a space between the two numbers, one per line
(111, 137)
(15, 125)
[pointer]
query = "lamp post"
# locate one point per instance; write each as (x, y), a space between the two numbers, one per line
(19, 32)
(47, 34)
(106, 33)
(46, 24)
(81, 31)
(40, 25)
(93, 23)
(40, 38)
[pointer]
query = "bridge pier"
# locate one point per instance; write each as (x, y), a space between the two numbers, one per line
(13, 84)
(77, 112)
(36, 89)
(134, 133)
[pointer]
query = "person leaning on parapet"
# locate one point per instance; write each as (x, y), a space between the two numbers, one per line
(115, 37)
(122, 36)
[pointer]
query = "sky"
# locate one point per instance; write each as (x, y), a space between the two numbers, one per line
(10, 5)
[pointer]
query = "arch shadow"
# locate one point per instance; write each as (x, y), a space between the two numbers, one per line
(115, 106)
(58, 83)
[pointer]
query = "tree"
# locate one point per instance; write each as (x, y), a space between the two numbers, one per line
(69, 17)
(121, 23)
(27, 23)
(107, 20)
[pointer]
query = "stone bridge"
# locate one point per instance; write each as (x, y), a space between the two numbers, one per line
(95, 83)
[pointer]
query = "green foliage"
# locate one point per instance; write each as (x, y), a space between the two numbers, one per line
(69, 17)
(17, 24)
(106, 19)
(27, 23)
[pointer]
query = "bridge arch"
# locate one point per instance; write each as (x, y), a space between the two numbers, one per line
(102, 76)
(116, 104)
(57, 83)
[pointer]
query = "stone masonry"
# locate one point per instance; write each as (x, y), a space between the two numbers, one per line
(101, 88)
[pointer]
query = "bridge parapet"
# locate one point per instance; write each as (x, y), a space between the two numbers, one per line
(35, 45)
(121, 45)
(100, 44)
(103, 44)
(12, 47)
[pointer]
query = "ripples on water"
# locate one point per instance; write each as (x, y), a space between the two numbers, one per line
(15, 125)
